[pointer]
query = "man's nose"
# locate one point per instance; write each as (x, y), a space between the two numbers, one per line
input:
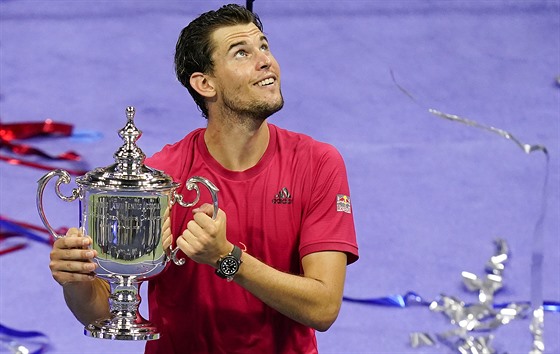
(264, 60)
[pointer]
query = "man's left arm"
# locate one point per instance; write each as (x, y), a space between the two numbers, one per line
(313, 299)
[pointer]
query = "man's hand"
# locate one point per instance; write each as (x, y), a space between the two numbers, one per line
(204, 241)
(72, 259)
(167, 236)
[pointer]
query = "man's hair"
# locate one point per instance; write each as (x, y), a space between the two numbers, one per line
(193, 52)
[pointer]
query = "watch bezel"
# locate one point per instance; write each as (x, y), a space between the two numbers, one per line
(228, 265)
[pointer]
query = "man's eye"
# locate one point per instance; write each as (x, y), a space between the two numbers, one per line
(241, 53)
(264, 47)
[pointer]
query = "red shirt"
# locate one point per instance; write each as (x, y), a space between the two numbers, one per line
(294, 202)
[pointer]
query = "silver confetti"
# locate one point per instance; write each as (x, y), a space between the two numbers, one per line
(480, 316)
(477, 345)
(418, 339)
(537, 330)
(496, 266)
(527, 148)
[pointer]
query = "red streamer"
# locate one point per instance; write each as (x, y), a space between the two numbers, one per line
(27, 130)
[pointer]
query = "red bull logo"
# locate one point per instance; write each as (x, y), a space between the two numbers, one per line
(343, 203)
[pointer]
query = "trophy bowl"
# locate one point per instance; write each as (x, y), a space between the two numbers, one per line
(123, 208)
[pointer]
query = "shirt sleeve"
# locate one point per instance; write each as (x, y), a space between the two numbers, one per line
(328, 224)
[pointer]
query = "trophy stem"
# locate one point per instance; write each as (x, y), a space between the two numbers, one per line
(125, 322)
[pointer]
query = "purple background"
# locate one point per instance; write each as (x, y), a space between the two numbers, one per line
(429, 196)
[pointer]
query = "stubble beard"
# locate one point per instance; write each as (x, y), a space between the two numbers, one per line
(255, 111)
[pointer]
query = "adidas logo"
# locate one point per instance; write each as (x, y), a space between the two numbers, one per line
(283, 197)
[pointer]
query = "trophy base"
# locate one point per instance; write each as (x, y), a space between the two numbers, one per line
(117, 329)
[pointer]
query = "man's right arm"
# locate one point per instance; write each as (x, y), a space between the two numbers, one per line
(72, 267)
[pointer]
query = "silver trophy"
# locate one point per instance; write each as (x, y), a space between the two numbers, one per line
(123, 208)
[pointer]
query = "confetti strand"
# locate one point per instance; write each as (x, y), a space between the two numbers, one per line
(537, 252)
(10, 133)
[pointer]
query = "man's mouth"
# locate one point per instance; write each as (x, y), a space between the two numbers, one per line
(266, 82)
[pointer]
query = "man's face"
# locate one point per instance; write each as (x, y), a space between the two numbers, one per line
(246, 76)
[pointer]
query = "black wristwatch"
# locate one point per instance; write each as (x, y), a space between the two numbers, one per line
(229, 265)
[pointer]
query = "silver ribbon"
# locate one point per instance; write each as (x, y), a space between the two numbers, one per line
(421, 339)
(481, 316)
(537, 253)
(493, 281)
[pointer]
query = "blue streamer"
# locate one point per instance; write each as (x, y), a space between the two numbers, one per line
(413, 299)
(86, 136)
(11, 334)
(409, 299)
(8, 225)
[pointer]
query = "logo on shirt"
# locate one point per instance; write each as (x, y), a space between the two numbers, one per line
(343, 203)
(283, 197)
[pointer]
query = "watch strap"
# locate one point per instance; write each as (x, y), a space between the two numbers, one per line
(236, 252)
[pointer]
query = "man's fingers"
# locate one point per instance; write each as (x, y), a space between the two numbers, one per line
(73, 231)
(71, 258)
(73, 254)
(72, 266)
(186, 246)
(192, 240)
(65, 277)
(69, 271)
(205, 208)
(70, 242)
(167, 223)
(194, 228)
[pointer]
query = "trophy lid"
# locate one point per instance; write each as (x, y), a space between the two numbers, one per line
(128, 172)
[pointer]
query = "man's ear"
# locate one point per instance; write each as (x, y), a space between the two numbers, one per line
(202, 85)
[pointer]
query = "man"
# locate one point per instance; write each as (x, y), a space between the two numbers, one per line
(289, 230)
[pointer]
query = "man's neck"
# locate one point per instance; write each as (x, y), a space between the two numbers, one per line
(237, 147)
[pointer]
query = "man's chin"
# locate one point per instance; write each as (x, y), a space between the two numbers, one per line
(266, 109)
(272, 109)
(257, 110)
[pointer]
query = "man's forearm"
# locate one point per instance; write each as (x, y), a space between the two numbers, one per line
(88, 301)
(313, 300)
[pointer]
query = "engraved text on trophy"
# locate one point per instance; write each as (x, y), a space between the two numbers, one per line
(125, 227)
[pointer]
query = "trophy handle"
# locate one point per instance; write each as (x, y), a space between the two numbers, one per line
(63, 177)
(192, 183)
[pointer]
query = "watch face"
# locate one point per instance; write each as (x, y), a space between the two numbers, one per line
(229, 266)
